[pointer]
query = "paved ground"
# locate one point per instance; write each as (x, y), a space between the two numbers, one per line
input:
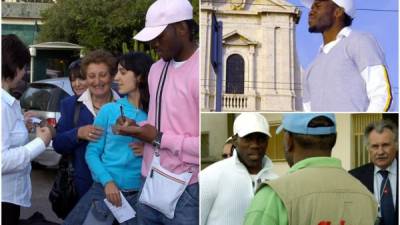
(42, 180)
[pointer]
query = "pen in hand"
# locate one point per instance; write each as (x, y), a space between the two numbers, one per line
(122, 114)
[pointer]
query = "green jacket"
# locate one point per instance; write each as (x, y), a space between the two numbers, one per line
(316, 191)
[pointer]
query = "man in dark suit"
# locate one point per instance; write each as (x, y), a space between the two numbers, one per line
(380, 176)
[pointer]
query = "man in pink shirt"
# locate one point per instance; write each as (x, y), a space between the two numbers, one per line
(173, 119)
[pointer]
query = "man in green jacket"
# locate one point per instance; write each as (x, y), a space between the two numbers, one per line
(317, 190)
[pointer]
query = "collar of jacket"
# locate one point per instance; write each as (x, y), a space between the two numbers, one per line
(265, 173)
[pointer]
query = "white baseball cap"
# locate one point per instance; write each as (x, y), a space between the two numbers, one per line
(347, 5)
(250, 122)
(160, 14)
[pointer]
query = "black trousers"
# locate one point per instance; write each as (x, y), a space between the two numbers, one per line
(10, 213)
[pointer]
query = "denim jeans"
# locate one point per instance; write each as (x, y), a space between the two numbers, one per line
(91, 209)
(186, 212)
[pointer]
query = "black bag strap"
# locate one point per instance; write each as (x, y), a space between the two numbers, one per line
(76, 112)
(159, 92)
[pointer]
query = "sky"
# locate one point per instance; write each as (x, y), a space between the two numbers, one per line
(384, 25)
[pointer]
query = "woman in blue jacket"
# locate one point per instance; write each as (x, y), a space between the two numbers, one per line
(98, 67)
(114, 166)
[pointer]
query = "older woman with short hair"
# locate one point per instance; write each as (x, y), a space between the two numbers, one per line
(98, 67)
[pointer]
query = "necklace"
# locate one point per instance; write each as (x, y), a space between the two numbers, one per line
(98, 108)
(95, 107)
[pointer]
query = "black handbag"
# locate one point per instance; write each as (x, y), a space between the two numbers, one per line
(63, 195)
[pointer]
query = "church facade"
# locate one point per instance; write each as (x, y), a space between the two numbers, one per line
(260, 67)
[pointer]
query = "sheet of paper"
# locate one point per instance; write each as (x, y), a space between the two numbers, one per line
(124, 212)
(35, 120)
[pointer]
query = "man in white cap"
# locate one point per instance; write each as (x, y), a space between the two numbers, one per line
(316, 190)
(172, 128)
(228, 186)
(349, 72)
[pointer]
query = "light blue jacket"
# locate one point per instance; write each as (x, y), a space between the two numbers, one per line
(110, 158)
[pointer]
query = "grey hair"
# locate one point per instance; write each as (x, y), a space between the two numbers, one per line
(379, 127)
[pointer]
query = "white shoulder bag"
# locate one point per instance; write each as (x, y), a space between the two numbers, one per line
(162, 188)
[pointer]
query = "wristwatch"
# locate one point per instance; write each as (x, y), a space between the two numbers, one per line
(157, 140)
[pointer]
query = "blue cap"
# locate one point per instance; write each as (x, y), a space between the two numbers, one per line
(298, 123)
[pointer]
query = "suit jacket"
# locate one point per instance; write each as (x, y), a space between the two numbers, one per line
(365, 174)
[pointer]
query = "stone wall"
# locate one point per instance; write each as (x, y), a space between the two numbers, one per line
(262, 32)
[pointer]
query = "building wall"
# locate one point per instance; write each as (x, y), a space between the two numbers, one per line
(343, 147)
(25, 32)
(266, 43)
(207, 75)
(216, 124)
(22, 19)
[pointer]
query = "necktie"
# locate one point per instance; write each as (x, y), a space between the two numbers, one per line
(387, 207)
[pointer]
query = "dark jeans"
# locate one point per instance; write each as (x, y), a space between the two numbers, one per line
(186, 212)
(91, 207)
(10, 213)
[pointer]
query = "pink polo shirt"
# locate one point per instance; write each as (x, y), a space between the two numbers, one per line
(179, 117)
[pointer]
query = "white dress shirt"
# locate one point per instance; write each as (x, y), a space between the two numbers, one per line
(17, 153)
(392, 169)
(86, 99)
(375, 77)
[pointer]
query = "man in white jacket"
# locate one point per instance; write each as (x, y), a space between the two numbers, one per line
(228, 186)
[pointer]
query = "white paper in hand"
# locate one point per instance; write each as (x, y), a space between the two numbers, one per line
(124, 212)
(35, 120)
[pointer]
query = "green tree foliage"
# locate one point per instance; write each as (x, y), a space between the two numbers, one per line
(94, 23)
(98, 24)
(195, 4)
